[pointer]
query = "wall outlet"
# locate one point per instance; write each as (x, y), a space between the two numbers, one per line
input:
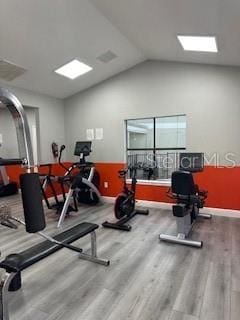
(105, 184)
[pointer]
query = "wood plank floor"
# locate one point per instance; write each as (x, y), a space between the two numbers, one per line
(147, 279)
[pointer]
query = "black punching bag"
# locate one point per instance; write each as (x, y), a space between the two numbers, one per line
(32, 202)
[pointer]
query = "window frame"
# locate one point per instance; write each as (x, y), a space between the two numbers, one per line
(154, 134)
(154, 149)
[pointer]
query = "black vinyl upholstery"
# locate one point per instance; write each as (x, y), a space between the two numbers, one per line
(183, 183)
(185, 191)
(20, 261)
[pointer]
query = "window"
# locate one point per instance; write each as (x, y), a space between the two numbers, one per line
(153, 145)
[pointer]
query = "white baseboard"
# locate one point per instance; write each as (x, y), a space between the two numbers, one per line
(163, 205)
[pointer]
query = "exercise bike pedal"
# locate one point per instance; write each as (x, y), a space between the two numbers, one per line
(69, 210)
(144, 212)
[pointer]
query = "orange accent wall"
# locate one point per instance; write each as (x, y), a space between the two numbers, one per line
(109, 173)
(223, 184)
(15, 171)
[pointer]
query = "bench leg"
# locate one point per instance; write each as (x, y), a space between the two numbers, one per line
(94, 244)
(4, 285)
(93, 257)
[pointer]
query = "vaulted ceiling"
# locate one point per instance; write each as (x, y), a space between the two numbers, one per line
(42, 35)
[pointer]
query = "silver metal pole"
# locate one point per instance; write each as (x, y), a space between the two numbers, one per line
(4, 285)
(91, 174)
(65, 207)
(15, 107)
(4, 175)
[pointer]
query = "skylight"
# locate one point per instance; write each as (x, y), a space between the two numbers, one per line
(73, 69)
(198, 43)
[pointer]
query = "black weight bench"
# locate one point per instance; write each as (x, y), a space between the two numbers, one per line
(15, 263)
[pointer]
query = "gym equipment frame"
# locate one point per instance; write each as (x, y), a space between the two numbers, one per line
(186, 211)
(33, 212)
(15, 263)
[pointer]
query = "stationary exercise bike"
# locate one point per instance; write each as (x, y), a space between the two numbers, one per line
(48, 179)
(188, 198)
(124, 208)
(78, 184)
(87, 192)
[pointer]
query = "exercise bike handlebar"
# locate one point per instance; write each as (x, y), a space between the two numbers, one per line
(49, 166)
(63, 147)
(123, 172)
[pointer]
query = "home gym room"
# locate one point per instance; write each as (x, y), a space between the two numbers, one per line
(119, 160)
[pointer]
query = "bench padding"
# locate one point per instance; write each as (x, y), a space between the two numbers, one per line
(20, 261)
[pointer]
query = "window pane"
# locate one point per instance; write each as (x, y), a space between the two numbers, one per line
(152, 167)
(166, 163)
(140, 133)
(171, 132)
(144, 161)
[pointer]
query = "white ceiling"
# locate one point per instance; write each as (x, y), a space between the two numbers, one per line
(41, 35)
(152, 25)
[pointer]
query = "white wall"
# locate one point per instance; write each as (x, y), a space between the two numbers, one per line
(208, 95)
(51, 121)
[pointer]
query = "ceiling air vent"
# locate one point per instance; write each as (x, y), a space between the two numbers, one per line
(9, 71)
(107, 56)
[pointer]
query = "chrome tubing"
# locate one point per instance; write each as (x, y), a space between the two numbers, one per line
(180, 240)
(11, 102)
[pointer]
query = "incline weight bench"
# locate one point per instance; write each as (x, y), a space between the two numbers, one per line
(15, 263)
